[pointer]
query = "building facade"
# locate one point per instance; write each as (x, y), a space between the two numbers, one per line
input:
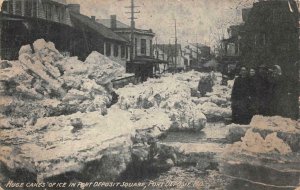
(270, 36)
(24, 21)
(143, 39)
(172, 54)
(195, 55)
(141, 62)
(56, 11)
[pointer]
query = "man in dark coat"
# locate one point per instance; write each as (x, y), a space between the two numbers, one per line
(263, 91)
(240, 99)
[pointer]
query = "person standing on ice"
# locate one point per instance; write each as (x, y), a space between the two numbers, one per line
(280, 95)
(263, 91)
(240, 97)
(253, 93)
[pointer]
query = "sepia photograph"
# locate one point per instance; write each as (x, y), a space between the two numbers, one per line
(149, 94)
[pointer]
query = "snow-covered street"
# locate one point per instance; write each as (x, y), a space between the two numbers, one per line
(57, 122)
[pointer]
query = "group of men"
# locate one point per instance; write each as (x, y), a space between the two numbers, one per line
(264, 92)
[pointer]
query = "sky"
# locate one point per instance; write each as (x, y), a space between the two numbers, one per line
(203, 21)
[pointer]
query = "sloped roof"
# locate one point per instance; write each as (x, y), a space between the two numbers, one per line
(169, 49)
(80, 20)
(107, 23)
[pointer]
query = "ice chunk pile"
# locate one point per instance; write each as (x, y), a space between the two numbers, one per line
(169, 94)
(270, 135)
(216, 105)
(255, 143)
(44, 83)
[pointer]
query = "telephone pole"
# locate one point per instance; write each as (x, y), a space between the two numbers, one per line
(132, 27)
(175, 46)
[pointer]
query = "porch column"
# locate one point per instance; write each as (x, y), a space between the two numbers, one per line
(104, 46)
(112, 49)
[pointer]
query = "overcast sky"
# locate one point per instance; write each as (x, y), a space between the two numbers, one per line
(197, 20)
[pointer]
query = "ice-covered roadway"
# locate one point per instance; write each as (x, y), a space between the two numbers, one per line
(55, 123)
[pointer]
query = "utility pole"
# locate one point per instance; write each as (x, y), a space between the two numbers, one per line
(157, 53)
(132, 27)
(175, 46)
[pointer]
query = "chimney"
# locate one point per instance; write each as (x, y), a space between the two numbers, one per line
(93, 18)
(74, 8)
(113, 21)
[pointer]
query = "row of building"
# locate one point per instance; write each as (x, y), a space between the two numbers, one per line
(75, 34)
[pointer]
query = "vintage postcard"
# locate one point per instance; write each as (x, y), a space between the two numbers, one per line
(149, 95)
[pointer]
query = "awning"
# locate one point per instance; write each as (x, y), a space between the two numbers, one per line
(10, 18)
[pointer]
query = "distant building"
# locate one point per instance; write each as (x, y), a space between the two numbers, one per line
(143, 63)
(24, 21)
(97, 37)
(143, 39)
(195, 55)
(170, 53)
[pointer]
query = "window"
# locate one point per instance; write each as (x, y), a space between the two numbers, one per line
(123, 51)
(10, 7)
(18, 8)
(28, 8)
(135, 47)
(116, 50)
(108, 49)
(151, 48)
(48, 11)
(34, 9)
(61, 14)
(127, 52)
(143, 46)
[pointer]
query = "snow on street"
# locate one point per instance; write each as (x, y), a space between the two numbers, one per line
(55, 121)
